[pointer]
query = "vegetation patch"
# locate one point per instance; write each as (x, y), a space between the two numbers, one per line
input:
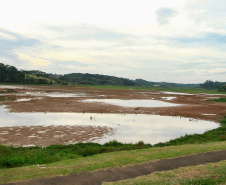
(33, 79)
(20, 156)
(218, 100)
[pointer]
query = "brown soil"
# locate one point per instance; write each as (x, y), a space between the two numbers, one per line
(191, 106)
(44, 136)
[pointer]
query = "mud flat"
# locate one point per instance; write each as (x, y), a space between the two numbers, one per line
(48, 135)
(137, 107)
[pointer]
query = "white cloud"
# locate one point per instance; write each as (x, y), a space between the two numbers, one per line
(208, 13)
(116, 37)
(164, 14)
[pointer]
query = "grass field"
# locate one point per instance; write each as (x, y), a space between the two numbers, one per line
(102, 161)
(209, 174)
(171, 89)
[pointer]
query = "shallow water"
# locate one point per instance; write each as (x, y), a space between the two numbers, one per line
(176, 93)
(128, 127)
(133, 103)
(56, 94)
(11, 87)
(168, 98)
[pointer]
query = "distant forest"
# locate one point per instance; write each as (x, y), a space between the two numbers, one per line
(10, 74)
(210, 85)
(97, 79)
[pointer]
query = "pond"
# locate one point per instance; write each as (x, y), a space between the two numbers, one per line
(128, 128)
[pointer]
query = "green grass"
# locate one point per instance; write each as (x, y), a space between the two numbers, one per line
(19, 156)
(103, 161)
(218, 100)
(212, 173)
(171, 89)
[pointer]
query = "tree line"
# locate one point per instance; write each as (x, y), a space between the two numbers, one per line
(11, 74)
(97, 79)
(211, 85)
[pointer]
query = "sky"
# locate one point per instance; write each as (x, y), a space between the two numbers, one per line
(182, 41)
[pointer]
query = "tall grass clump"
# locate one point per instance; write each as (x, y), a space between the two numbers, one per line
(19, 156)
(218, 100)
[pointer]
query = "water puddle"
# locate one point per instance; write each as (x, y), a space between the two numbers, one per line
(133, 103)
(168, 98)
(209, 114)
(128, 128)
(11, 87)
(56, 94)
(9, 98)
(178, 93)
(25, 99)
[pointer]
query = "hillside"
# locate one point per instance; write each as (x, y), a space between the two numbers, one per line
(10, 74)
(97, 79)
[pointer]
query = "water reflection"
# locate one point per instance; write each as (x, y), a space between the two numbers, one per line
(133, 103)
(168, 98)
(128, 128)
(56, 94)
(179, 93)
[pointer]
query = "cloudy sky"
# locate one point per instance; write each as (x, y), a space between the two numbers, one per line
(181, 41)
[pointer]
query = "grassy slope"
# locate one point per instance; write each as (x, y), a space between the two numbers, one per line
(213, 173)
(172, 89)
(106, 160)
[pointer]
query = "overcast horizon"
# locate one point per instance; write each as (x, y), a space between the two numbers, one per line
(168, 40)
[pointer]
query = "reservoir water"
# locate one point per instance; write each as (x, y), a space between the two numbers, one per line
(128, 128)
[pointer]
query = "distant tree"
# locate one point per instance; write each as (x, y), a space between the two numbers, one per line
(222, 88)
(211, 85)
(11, 74)
(2, 72)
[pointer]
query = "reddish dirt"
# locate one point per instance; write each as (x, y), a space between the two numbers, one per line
(191, 106)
